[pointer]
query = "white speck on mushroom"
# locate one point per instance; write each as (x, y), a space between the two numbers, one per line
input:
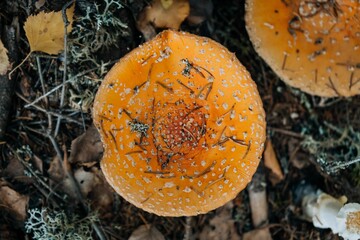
(225, 106)
(130, 175)
(221, 71)
(146, 180)
(270, 26)
(169, 185)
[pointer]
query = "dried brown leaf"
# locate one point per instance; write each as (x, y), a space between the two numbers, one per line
(13, 202)
(258, 234)
(4, 59)
(87, 147)
(45, 31)
(59, 180)
(56, 170)
(222, 226)
(147, 232)
(298, 158)
(272, 163)
(162, 14)
(16, 171)
(102, 198)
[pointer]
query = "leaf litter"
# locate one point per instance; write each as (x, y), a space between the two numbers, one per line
(45, 31)
(4, 59)
(14, 202)
(119, 218)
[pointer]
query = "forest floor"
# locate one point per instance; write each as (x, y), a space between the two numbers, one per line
(50, 178)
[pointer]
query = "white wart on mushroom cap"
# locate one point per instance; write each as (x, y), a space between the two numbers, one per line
(311, 45)
(182, 125)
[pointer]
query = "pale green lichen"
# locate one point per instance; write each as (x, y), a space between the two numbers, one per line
(337, 149)
(99, 28)
(45, 224)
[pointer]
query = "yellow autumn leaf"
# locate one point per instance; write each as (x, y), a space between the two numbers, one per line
(4, 59)
(45, 31)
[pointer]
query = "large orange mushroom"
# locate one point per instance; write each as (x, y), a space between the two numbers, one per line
(182, 124)
(313, 45)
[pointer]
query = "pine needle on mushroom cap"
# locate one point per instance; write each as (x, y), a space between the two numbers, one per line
(182, 124)
(311, 45)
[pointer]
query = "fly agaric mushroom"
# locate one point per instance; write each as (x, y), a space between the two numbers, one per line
(312, 45)
(182, 125)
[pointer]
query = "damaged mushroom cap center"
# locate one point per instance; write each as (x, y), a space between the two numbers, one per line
(179, 132)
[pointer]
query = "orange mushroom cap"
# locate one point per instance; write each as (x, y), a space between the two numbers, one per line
(312, 45)
(182, 125)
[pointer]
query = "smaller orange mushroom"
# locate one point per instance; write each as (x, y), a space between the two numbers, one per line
(182, 124)
(312, 45)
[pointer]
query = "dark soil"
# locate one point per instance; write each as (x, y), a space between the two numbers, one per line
(310, 135)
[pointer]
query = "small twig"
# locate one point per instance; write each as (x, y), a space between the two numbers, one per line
(59, 86)
(346, 164)
(188, 234)
(43, 90)
(286, 132)
(33, 173)
(15, 68)
(41, 77)
(62, 98)
(48, 112)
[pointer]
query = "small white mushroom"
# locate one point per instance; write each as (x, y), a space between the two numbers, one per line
(326, 211)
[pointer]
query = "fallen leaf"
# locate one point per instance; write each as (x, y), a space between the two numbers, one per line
(102, 198)
(94, 187)
(272, 163)
(4, 59)
(16, 171)
(59, 180)
(56, 170)
(146, 232)
(162, 14)
(45, 31)
(13, 202)
(258, 234)
(25, 86)
(298, 158)
(87, 147)
(222, 226)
